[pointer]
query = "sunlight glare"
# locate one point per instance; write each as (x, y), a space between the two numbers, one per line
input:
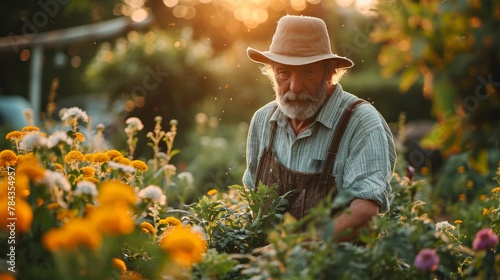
(136, 4)
(298, 5)
(365, 6)
(170, 3)
(139, 15)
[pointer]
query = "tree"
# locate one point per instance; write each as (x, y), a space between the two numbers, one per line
(454, 48)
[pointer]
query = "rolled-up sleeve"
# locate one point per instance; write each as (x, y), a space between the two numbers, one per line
(369, 166)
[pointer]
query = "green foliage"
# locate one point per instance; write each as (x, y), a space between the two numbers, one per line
(242, 229)
(452, 47)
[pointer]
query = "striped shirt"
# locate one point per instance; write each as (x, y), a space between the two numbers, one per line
(365, 161)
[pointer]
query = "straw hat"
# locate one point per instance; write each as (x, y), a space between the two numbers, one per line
(299, 40)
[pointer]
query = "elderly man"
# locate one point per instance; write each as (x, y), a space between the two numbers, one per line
(316, 138)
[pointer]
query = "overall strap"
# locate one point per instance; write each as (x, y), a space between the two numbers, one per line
(274, 125)
(337, 137)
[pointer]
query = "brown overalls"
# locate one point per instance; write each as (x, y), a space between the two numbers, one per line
(313, 188)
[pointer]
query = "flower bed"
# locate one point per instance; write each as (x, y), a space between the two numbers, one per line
(73, 210)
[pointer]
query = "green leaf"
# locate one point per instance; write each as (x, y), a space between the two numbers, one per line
(408, 78)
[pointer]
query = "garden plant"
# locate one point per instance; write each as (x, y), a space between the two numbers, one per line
(70, 210)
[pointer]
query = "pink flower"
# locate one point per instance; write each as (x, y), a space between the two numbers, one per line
(485, 239)
(427, 260)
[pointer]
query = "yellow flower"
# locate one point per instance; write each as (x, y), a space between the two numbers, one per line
(58, 166)
(424, 170)
(458, 222)
(171, 222)
(7, 158)
(115, 191)
(73, 234)
(461, 169)
(88, 157)
(113, 154)
(462, 197)
(496, 190)
(147, 228)
(486, 211)
(183, 245)
(87, 171)
(212, 192)
(23, 215)
(113, 219)
(15, 135)
(470, 183)
(119, 265)
(30, 128)
(140, 165)
(73, 156)
(124, 161)
(80, 137)
(483, 197)
(100, 158)
(53, 206)
(34, 171)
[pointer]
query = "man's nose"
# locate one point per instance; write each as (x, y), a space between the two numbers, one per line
(296, 83)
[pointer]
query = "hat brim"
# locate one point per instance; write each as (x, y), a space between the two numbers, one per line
(267, 57)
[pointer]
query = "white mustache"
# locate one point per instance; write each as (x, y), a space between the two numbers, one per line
(301, 96)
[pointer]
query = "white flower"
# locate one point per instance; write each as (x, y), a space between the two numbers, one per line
(154, 193)
(55, 179)
(186, 177)
(444, 226)
(33, 139)
(134, 124)
(73, 113)
(86, 187)
(122, 167)
(58, 137)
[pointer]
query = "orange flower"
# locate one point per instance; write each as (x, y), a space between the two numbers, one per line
(18, 217)
(30, 128)
(113, 219)
(75, 233)
(139, 165)
(80, 137)
(212, 192)
(73, 156)
(115, 191)
(124, 161)
(147, 228)
(15, 135)
(7, 158)
(119, 265)
(171, 222)
(461, 169)
(470, 183)
(88, 171)
(113, 154)
(100, 158)
(184, 246)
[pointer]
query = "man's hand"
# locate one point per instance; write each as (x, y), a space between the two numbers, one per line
(359, 213)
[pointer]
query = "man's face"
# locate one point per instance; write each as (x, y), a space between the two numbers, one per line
(301, 90)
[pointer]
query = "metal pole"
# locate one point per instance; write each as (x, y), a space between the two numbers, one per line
(35, 93)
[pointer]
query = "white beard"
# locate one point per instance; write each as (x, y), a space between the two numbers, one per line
(303, 105)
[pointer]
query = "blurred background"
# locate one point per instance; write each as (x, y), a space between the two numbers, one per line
(430, 67)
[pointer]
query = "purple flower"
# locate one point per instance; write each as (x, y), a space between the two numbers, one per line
(485, 239)
(427, 260)
(410, 172)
